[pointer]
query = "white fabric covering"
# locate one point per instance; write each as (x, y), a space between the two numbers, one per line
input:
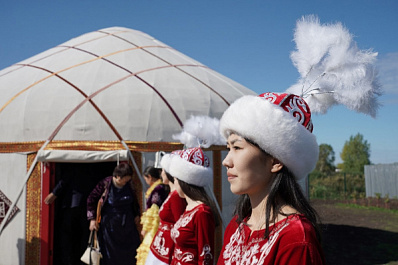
(74, 156)
(12, 240)
(146, 90)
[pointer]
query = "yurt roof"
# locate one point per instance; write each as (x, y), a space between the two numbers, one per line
(106, 85)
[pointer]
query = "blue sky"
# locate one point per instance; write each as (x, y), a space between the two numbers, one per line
(248, 41)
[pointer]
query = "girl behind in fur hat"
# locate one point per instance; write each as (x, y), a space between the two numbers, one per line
(193, 233)
(269, 150)
(162, 247)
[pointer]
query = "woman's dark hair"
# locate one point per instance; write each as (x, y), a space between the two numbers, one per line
(153, 171)
(197, 193)
(122, 170)
(284, 191)
(169, 177)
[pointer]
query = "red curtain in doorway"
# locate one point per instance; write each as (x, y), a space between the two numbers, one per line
(47, 215)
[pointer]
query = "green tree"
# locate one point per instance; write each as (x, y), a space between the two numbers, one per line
(325, 163)
(355, 155)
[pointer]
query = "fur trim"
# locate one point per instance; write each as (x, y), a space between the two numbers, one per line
(165, 162)
(189, 172)
(274, 130)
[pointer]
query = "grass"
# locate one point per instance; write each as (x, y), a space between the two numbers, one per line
(356, 234)
(371, 208)
(362, 230)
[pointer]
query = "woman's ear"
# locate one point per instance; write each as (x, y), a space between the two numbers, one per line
(276, 165)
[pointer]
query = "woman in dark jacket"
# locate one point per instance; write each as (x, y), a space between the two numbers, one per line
(119, 211)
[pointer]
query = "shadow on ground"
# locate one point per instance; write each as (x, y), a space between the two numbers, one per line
(344, 244)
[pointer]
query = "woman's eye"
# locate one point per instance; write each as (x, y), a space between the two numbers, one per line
(237, 147)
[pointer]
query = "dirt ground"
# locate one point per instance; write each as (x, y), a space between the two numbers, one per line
(358, 235)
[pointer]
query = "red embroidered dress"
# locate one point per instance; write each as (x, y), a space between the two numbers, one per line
(162, 247)
(292, 241)
(193, 235)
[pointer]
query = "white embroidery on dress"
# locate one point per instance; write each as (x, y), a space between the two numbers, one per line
(237, 252)
(182, 222)
(159, 244)
(271, 241)
(185, 257)
(233, 248)
(206, 253)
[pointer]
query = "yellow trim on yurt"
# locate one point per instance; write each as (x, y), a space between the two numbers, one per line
(16, 147)
(33, 213)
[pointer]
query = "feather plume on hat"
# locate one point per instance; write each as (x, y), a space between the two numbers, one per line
(333, 69)
(200, 131)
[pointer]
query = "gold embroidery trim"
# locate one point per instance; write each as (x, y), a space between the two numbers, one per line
(8, 147)
(33, 214)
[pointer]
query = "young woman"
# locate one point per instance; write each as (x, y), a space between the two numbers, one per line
(155, 196)
(118, 235)
(271, 147)
(162, 247)
(193, 233)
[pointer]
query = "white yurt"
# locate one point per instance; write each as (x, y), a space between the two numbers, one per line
(110, 95)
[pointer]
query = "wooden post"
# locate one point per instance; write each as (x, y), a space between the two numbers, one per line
(217, 188)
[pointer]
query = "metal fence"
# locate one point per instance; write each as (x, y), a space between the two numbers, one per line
(381, 180)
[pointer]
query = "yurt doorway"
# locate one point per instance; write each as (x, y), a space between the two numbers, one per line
(73, 182)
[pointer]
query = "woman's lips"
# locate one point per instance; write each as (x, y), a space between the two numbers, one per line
(231, 176)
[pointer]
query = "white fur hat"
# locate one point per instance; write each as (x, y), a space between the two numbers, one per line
(166, 160)
(192, 167)
(280, 124)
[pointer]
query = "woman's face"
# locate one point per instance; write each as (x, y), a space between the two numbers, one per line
(178, 188)
(121, 181)
(148, 179)
(249, 169)
(164, 177)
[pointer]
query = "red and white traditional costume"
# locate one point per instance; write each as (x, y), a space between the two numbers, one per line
(291, 241)
(162, 247)
(193, 235)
